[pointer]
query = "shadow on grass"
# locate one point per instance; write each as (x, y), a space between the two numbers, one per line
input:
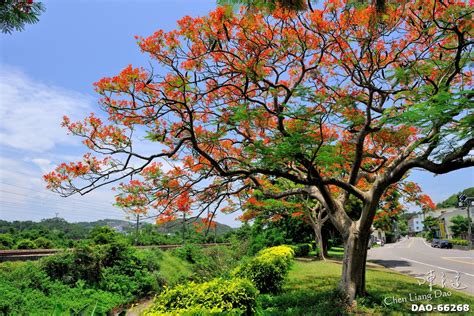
(336, 253)
(314, 297)
(311, 290)
(307, 292)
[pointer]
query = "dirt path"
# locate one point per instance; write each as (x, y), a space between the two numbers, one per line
(139, 308)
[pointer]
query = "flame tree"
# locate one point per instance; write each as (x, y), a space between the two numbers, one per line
(340, 101)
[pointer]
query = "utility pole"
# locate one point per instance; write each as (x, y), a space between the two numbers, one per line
(137, 229)
(464, 200)
(184, 228)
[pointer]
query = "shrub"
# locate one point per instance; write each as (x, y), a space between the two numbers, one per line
(207, 263)
(6, 241)
(129, 282)
(43, 243)
(103, 235)
(460, 242)
(174, 270)
(25, 244)
(27, 290)
(302, 250)
(190, 253)
(82, 263)
(268, 269)
(236, 296)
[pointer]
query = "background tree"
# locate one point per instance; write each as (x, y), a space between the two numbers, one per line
(460, 225)
(431, 224)
(402, 226)
(292, 5)
(14, 14)
(452, 201)
(338, 102)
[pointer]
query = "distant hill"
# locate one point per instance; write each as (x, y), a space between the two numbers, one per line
(452, 201)
(115, 223)
(177, 226)
(81, 229)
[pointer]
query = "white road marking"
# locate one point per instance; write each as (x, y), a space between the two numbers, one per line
(461, 261)
(426, 244)
(430, 265)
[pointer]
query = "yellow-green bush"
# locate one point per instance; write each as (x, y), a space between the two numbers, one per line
(268, 269)
(236, 296)
(460, 242)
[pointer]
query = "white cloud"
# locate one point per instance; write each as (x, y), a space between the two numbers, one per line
(31, 112)
(23, 195)
(44, 164)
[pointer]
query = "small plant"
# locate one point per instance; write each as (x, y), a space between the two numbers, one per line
(236, 296)
(268, 269)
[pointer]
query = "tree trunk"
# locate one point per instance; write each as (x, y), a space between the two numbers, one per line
(353, 268)
(319, 240)
(325, 243)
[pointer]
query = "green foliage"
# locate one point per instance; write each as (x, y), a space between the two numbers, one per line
(236, 296)
(15, 14)
(265, 233)
(460, 225)
(452, 201)
(268, 269)
(67, 235)
(207, 263)
(111, 265)
(174, 270)
(302, 250)
(460, 242)
(294, 5)
(25, 289)
(43, 243)
(25, 244)
(403, 226)
(103, 235)
(128, 279)
(190, 253)
(61, 233)
(430, 223)
(6, 241)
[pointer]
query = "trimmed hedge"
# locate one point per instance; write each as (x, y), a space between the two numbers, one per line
(234, 297)
(268, 269)
(302, 250)
(460, 242)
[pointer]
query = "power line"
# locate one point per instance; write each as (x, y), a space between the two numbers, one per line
(52, 204)
(55, 208)
(46, 192)
(94, 204)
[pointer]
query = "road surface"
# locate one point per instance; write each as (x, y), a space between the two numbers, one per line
(417, 258)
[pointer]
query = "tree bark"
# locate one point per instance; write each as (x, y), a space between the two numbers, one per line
(319, 241)
(325, 244)
(353, 269)
(317, 220)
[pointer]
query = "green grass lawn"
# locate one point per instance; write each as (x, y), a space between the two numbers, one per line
(310, 290)
(336, 252)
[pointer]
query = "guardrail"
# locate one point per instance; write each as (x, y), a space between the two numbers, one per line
(34, 254)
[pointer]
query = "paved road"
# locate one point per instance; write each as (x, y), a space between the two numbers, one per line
(417, 258)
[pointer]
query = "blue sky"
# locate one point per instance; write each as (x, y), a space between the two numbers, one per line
(48, 70)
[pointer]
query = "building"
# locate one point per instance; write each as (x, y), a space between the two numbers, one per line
(444, 229)
(415, 224)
